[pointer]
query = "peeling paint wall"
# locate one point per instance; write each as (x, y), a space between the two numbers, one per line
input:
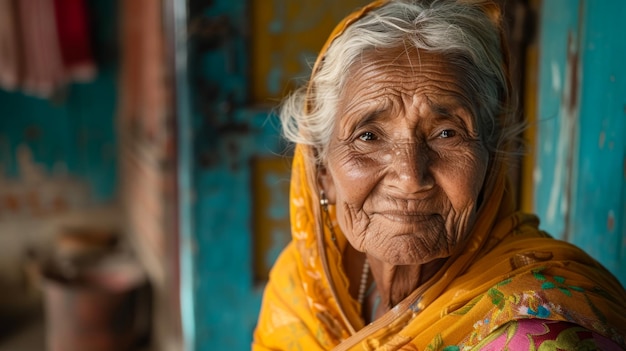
(580, 175)
(287, 37)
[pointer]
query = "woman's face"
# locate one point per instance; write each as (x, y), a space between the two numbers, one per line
(405, 163)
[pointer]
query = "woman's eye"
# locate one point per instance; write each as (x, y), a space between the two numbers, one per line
(448, 133)
(367, 136)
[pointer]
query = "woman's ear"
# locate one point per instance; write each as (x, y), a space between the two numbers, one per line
(326, 183)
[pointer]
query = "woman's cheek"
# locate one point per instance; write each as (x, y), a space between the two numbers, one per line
(355, 174)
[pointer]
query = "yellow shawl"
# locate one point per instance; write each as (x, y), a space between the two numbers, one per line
(509, 270)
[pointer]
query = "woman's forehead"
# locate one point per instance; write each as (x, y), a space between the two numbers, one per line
(382, 79)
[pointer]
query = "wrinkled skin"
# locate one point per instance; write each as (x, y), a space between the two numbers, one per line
(405, 165)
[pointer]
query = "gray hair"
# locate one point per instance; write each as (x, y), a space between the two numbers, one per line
(463, 33)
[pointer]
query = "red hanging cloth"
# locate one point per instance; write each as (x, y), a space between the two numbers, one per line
(74, 39)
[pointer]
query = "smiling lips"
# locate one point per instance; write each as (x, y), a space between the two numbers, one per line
(408, 217)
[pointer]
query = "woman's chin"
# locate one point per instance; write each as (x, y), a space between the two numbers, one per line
(399, 251)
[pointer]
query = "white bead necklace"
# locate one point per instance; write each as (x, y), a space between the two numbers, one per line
(366, 266)
(364, 275)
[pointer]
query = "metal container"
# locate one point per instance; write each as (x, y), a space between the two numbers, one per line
(101, 307)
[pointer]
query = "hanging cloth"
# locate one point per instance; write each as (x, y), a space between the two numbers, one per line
(43, 66)
(74, 40)
(9, 46)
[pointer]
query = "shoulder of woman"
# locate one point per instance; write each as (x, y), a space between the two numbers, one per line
(285, 318)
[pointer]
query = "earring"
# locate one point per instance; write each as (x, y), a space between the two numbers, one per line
(324, 204)
(323, 200)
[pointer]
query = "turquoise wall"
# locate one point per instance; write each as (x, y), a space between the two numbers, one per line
(580, 175)
(75, 131)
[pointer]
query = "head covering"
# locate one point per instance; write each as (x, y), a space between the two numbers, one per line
(508, 270)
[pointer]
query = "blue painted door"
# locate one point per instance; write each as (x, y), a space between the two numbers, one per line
(580, 173)
(243, 57)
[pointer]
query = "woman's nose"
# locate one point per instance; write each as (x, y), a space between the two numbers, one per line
(411, 167)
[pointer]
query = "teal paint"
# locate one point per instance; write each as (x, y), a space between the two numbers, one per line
(227, 298)
(75, 133)
(580, 190)
(596, 223)
(76, 136)
(228, 134)
(553, 147)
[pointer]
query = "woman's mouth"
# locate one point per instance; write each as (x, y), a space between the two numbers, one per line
(408, 217)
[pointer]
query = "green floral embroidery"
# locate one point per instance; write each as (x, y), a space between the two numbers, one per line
(568, 340)
(504, 282)
(509, 329)
(463, 310)
(497, 297)
(538, 275)
(437, 345)
(557, 283)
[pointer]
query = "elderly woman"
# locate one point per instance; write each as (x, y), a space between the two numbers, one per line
(405, 235)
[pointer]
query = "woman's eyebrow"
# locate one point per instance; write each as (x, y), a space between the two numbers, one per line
(441, 111)
(451, 113)
(369, 117)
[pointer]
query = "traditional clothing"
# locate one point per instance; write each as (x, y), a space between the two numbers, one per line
(508, 271)
(511, 286)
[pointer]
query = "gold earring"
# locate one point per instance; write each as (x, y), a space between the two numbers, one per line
(323, 200)
(324, 204)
